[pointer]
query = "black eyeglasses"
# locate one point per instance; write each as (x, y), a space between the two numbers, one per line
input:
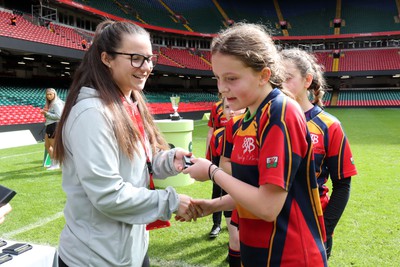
(137, 60)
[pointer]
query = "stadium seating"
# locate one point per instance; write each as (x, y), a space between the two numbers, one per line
(202, 16)
(368, 98)
(18, 114)
(310, 19)
(365, 16)
(27, 30)
(142, 11)
(325, 59)
(327, 98)
(62, 35)
(313, 17)
(370, 59)
(22, 104)
(242, 10)
(185, 58)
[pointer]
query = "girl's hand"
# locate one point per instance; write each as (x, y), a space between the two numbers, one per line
(199, 170)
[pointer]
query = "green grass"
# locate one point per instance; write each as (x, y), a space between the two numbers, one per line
(367, 235)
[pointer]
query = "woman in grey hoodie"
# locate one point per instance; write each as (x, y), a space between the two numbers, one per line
(110, 149)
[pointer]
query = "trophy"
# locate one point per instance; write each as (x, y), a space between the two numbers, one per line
(175, 103)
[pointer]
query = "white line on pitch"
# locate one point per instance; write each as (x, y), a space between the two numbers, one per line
(39, 223)
(20, 155)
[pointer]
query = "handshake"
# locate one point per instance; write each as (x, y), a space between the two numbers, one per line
(195, 209)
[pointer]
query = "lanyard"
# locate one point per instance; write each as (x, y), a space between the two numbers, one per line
(134, 114)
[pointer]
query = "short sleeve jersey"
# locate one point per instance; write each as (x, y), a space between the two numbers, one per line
(216, 143)
(217, 117)
(332, 154)
(214, 151)
(274, 147)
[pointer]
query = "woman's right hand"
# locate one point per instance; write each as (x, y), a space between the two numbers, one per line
(186, 211)
(199, 208)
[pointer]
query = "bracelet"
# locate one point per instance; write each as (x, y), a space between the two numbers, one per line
(214, 172)
(209, 170)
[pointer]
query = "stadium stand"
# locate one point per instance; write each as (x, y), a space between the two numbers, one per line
(185, 58)
(27, 30)
(306, 20)
(370, 59)
(202, 16)
(369, 98)
(286, 18)
(369, 16)
(241, 10)
(22, 104)
(148, 12)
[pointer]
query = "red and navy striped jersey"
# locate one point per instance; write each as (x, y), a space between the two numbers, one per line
(214, 151)
(332, 154)
(215, 147)
(217, 118)
(273, 146)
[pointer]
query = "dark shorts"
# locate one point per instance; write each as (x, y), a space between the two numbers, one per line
(51, 130)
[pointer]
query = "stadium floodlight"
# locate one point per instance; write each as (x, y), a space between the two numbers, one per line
(64, 62)
(28, 58)
(345, 77)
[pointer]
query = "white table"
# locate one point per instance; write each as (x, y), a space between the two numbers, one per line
(38, 256)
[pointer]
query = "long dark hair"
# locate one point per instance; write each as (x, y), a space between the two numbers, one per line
(93, 73)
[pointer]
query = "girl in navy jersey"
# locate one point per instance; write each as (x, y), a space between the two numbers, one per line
(217, 121)
(214, 154)
(273, 184)
(332, 154)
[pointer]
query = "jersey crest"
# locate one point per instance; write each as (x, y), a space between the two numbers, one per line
(272, 162)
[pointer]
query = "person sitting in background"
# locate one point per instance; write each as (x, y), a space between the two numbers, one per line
(13, 20)
(52, 112)
(51, 27)
(84, 43)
